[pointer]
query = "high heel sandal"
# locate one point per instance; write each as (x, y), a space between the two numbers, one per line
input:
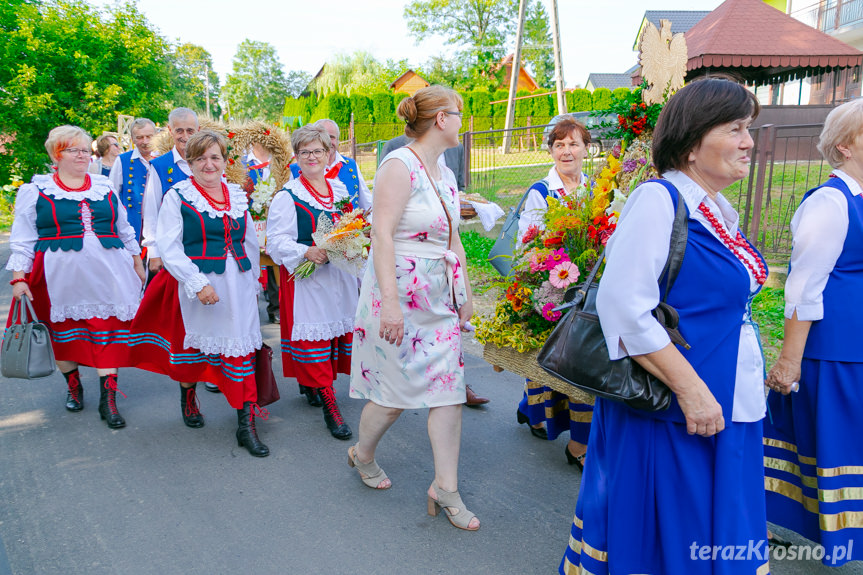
(577, 460)
(370, 473)
(447, 500)
(539, 432)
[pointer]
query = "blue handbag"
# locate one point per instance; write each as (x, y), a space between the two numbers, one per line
(501, 254)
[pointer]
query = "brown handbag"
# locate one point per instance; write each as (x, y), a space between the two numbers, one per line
(265, 381)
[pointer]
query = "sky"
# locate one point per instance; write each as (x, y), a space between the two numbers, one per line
(597, 35)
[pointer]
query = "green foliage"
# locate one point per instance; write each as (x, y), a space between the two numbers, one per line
(768, 311)
(579, 100)
(621, 93)
(523, 108)
(537, 49)
(480, 104)
(601, 99)
(296, 82)
(543, 109)
(476, 250)
(65, 63)
(297, 111)
(634, 116)
(194, 66)
(256, 87)
(357, 72)
(361, 107)
(499, 110)
(335, 107)
(382, 108)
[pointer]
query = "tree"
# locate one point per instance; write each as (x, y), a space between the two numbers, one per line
(481, 26)
(256, 88)
(62, 62)
(297, 81)
(537, 51)
(357, 72)
(193, 66)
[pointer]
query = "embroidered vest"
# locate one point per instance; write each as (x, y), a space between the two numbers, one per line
(307, 220)
(347, 175)
(834, 337)
(169, 173)
(60, 227)
(711, 312)
(131, 190)
(208, 241)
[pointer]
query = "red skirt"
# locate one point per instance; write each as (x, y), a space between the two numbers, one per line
(312, 363)
(156, 343)
(99, 343)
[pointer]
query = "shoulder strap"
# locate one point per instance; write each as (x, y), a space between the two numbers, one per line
(679, 236)
(437, 193)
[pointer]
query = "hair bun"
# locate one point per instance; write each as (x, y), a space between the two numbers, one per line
(407, 110)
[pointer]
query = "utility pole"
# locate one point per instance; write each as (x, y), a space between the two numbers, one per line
(513, 81)
(558, 60)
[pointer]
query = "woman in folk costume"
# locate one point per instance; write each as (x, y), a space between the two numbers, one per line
(813, 452)
(317, 312)
(199, 318)
(75, 255)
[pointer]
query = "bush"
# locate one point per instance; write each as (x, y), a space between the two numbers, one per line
(579, 100)
(523, 108)
(383, 111)
(499, 110)
(361, 107)
(621, 93)
(480, 106)
(601, 99)
(335, 107)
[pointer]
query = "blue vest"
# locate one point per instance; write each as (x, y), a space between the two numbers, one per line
(204, 239)
(307, 220)
(59, 224)
(253, 173)
(132, 184)
(169, 173)
(348, 175)
(711, 295)
(835, 336)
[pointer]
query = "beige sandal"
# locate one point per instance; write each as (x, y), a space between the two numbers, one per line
(370, 473)
(447, 500)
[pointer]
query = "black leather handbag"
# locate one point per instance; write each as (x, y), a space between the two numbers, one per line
(575, 351)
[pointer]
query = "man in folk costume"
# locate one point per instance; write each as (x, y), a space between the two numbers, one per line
(166, 171)
(257, 163)
(130, 169)
(343, 168)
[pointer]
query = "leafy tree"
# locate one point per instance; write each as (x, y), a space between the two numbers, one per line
(537, 50)
(297, 81)
(62, 62)
(480, 26)
(257, 86)
(358, 72)
(193, 66)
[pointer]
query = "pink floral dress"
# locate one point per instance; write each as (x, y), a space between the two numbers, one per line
(427, 370)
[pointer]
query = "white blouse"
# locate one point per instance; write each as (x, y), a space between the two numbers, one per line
(629, 289)
(325, 303)
(152, 203)
(818, 231)
(91, 283)
(535, 206)
(230, 327)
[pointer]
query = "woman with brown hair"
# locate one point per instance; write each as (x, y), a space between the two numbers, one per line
(414, 302)
(199, 318)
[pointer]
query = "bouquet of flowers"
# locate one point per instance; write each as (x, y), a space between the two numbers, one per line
(346, 239)
(260, 196)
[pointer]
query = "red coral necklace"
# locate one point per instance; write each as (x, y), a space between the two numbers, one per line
(66, 188)
(327, 201)
(758, 271)
(223, 206)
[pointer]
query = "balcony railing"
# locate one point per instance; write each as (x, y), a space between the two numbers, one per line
(831, 15)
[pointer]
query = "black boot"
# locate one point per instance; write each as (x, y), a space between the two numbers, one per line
(312, 395)
(108, 402)
(75, 393)
(189, 404)
(247, 435)
(332, 415)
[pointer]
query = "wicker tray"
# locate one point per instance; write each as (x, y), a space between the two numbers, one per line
(525, 365)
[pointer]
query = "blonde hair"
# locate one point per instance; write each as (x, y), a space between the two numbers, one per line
(842, 126)
(308, 134)
(63, 137)
(200, 142)
(420, 110)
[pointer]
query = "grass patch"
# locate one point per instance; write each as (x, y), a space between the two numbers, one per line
(480, 271)
(768, 311)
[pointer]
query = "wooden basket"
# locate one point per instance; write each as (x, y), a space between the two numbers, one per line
(467, 210)
(525, 365)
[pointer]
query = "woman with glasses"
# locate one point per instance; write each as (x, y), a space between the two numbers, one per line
(316, 312)
(75, 256)
(548, 412)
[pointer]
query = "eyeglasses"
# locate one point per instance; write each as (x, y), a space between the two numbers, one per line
(115, 144)
(459, 114)
(76, 151)
(318, 153)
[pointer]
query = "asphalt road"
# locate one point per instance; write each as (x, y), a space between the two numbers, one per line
(159, 498)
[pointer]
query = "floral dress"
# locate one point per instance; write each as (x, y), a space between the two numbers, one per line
(427, 370)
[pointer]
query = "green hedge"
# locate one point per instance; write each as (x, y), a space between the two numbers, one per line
(621, 93)
(579, 100)
(602, 99)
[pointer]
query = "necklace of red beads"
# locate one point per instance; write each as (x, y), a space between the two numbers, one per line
(223, 206)
(66, 188)
(758, 271)
(327, 201)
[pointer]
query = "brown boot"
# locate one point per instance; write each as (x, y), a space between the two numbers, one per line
(474, 400)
